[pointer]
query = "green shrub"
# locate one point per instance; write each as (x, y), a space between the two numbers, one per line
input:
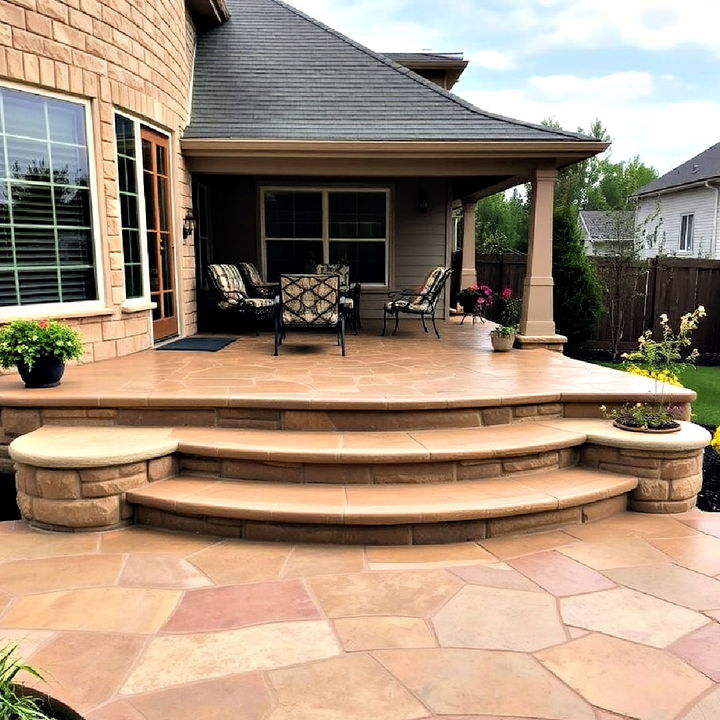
(27, 340)
(577, 293)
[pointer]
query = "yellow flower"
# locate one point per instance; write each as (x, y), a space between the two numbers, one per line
(715, 442)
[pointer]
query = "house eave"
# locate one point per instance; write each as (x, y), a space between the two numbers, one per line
(558, 152)
(676, 188)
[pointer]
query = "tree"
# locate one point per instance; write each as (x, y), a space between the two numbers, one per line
(577, 290)
(501, 223)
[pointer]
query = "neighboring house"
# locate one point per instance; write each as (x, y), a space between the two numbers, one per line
(144, 140)
(603, 230)
(683, 207)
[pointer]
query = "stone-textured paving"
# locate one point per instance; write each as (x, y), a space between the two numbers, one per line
(460, 370)
(618, 619)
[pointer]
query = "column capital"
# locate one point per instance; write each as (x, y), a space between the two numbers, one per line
(544, 175)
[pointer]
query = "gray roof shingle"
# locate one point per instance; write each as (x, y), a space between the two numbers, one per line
(609, 224)
(272, 72)
(705, 166)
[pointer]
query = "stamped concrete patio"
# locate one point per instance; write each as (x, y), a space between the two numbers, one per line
(614, 620)
(411, 370)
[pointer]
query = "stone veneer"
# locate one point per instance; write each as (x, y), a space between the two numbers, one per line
(129, 55)
(85, 499)
(668, 481)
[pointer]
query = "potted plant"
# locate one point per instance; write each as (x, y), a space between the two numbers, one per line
(39, 349)
(18, 702)
(660, 360)
(475, 298)
(503, 336)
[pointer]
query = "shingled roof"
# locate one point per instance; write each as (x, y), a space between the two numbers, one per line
(705, 166)
(272, 72)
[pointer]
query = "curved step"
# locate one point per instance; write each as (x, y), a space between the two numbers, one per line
(412, 513)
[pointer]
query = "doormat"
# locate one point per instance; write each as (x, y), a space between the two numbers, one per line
(200, 344)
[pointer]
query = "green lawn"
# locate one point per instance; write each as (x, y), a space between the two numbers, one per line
(705, 381)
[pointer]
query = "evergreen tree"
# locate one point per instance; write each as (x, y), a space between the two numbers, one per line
(577, 292)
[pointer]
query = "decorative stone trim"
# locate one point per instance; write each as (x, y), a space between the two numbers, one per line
(87, 499)
(668, 481)
(556, 343)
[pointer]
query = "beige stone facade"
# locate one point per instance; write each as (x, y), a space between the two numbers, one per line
(133, 56)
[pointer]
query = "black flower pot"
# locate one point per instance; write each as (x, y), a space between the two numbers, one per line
(469, 305)
(45, 373)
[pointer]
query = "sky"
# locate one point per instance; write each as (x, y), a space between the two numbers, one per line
(648, 69)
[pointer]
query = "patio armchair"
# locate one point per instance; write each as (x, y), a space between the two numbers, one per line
(349, 293)
(420, 302)
(230, 294)
(309, 302)
(254, 283)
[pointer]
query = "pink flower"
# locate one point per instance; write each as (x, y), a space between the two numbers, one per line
(44, 324)
(507, 293)
(475, 287)
(481, 301)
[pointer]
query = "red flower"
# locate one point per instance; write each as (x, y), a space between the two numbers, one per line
(44, 324)
(474, 287)
(507, 293)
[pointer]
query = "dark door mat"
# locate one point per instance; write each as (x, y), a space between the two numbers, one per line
(200, 344)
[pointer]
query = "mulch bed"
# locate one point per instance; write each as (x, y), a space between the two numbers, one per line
(709, 496)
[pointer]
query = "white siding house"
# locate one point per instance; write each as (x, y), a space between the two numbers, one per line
(679, 212)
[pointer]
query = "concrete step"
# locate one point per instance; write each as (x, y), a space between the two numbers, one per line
(381, 514)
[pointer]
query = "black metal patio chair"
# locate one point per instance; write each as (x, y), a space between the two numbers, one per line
(417, 302)
(349, 293)
(230, 295)
(254, 283)
(309, 302)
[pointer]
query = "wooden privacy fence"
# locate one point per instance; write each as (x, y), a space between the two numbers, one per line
(666, 285)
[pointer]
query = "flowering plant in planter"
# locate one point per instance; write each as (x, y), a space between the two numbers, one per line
(661, 360)
(475, 297)
(509, 315)
(26, 341)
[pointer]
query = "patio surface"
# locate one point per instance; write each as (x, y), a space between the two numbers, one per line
(410, 370)
(614, 619)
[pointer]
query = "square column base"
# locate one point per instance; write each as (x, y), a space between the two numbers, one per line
(545, 342)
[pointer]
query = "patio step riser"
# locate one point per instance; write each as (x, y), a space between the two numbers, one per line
(390, 534)
(368, 473)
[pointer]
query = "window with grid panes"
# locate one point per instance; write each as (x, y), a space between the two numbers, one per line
(46, 230)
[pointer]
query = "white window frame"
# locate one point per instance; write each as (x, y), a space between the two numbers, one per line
(144, 299)
(687, 231)
(81, 306)
(325, 190)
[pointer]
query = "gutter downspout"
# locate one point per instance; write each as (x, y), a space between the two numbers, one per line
(714, 245)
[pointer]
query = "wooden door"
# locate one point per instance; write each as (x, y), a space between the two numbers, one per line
(160, 241)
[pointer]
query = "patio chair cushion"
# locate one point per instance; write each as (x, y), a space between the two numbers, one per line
(310, 299)
(229, 283)
(251, 273)
(335, 268)
(259, 302)
(430, 281)
(406, 305)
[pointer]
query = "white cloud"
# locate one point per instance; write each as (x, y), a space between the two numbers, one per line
(663, 134)
(492, 59)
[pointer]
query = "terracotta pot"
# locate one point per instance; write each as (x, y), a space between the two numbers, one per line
(629, 428)
(45, 373)
(502, 343)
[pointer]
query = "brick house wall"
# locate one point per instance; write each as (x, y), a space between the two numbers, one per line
(135, 56)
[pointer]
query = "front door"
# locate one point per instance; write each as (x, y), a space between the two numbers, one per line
(160, 242)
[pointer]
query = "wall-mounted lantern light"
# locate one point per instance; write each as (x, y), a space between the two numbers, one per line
(188, 224)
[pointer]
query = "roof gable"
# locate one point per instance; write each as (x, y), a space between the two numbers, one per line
(608, 224)
(702, 167)
(272, 72)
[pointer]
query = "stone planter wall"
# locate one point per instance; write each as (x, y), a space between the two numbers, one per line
(669, 481)
(90, 498)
